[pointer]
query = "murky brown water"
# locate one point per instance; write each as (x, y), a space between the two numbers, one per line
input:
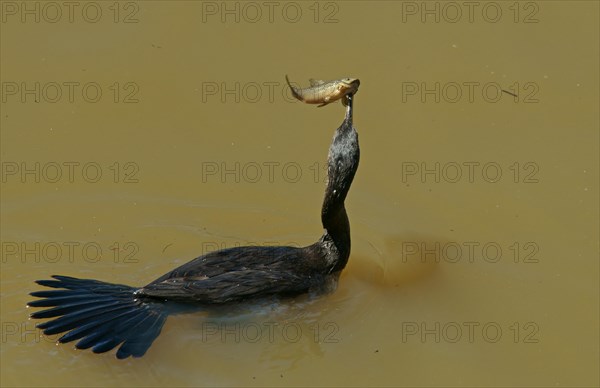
(139, 137)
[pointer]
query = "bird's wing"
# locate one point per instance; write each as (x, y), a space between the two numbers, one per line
(226, 287)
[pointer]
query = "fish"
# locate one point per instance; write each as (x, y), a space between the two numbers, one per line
(325, 92)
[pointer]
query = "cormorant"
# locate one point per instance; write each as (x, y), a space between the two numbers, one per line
(103, 315)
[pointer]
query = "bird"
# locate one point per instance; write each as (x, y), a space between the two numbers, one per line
(103, 315)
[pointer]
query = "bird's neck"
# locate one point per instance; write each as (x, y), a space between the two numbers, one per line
(343, 161)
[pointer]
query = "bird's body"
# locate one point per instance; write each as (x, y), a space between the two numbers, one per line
(105, 315)
(236, 274)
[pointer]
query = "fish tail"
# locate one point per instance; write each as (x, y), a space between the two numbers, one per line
(100, 315)
(295, 91)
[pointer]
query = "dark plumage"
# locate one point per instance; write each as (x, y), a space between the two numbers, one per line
(103, 315)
